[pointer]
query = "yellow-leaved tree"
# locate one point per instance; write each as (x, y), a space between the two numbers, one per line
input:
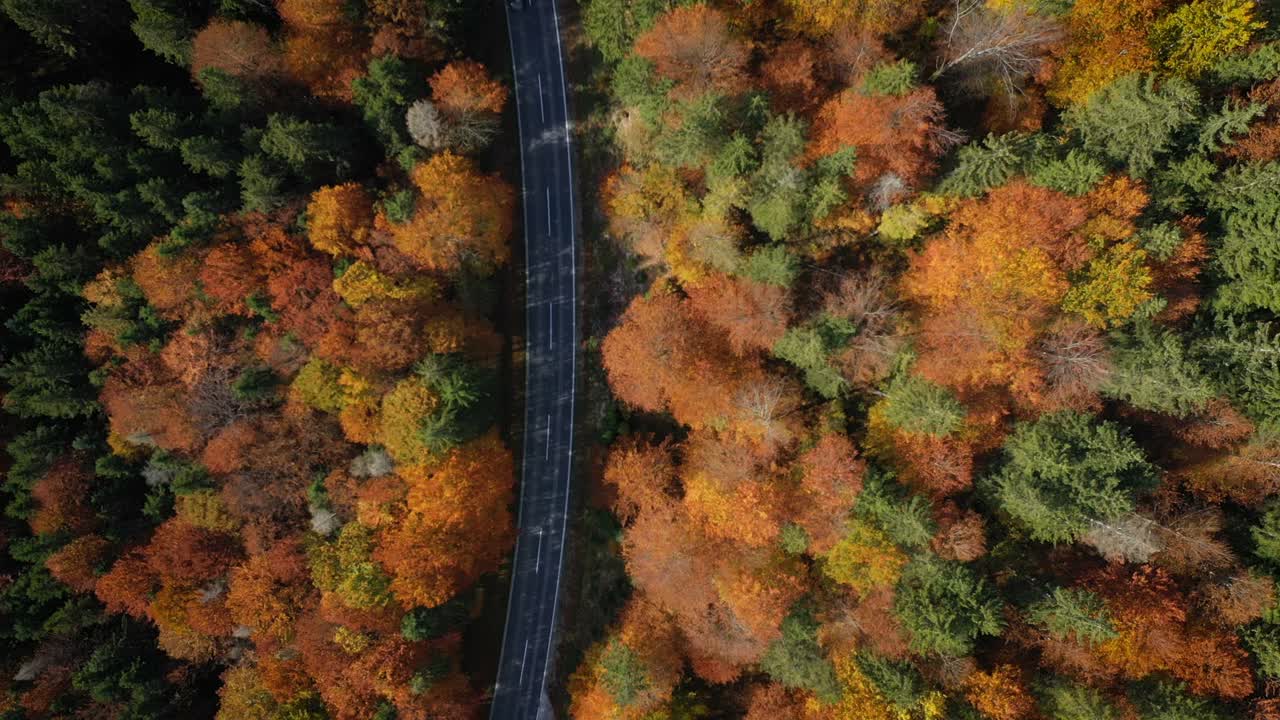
(1196, 36)
(462, 216)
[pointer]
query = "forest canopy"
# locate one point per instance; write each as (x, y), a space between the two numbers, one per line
(252, 253)
(948, 388)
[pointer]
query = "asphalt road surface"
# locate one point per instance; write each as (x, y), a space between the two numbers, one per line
(551, 343)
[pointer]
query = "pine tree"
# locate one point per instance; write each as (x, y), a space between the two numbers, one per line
(1066, 470)
(1134, 121)
(945, 606)
(1072, 614)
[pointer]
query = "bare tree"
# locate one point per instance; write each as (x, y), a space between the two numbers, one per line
(763, 407)
(1191, 543)
(868, 301)
(1239, 598)
(1076, 362)
(991, 50)
(425, 125)
(1132, 538)
(471, 130)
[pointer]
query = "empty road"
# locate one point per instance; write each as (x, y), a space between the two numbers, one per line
(551, 345)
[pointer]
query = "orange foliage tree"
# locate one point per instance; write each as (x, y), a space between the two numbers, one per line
(818, 17)
(660, 357)
(1106, 39)
(831, 478)
(752, 314)
(185, 553)
(456, 524)
(461, 216)
(322, 49)
(694, 46)
(240, 49)
(994, 280)
(229, 276)
(1000, 694)
(464, 86)
(269, 591)
(898, 138)
(339, 218)
(61, 499)
(127, 586)
(633, 671)
(76, 563)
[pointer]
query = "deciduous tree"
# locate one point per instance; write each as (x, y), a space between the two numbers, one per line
(461, 217)
(694, 47)
(339, 219)
(456, 525)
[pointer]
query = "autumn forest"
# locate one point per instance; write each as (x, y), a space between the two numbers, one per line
(930, 359)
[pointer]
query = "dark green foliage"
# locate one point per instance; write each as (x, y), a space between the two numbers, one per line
(1153, 371)
(830, 172)
(1263, 640)
(431, 623)
(1246, 202)
(262, 184)
(399, 206)
(613, 25)
(1168, 701)
(624, 675)
(793, 539)
(164, 27)
(906, 518)
(1266, 535)
(1240, 356)
(1220, 129)
(467, 393)
(75, 142)
(1134, 120)
(1073, 614)
(133, 322)
(118, 671)
(809, 348)
(255, 385)
(32, 452)
(1064, 471)
(226, 93)
(209, 155)
(1075, 174)
(698, 136)
(1263, 63)
(313, 151)
(771, 265)
(945, 606)
(49, 381)
(31, 599)
(897, 78)
(778, 186)
(899, 682)
(796, 660)
(161, 128)
(383, 95)
(67, 26)
(1160, 241)
(1065, 701)
(918, 406)
(1179, 185)
(635, 85)
(982, 166)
